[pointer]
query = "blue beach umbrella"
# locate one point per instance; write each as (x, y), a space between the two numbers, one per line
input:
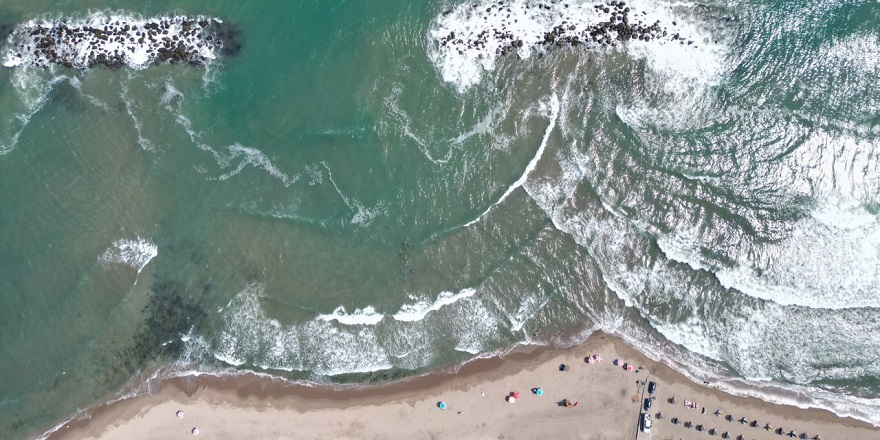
(441, 405)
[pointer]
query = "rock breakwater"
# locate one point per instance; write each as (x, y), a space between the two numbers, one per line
(115, 41)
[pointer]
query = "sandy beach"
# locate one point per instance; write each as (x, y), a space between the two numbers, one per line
(609, 402)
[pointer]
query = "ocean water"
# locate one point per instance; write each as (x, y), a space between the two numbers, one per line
(353, 196)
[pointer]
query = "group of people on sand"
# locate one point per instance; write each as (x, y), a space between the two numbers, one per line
(513, 396)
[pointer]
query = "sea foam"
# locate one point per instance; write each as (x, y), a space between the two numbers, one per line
(418, 310)
(830, 259)
(364, 316)
(136, 253)
(467, 40)
(352, 342)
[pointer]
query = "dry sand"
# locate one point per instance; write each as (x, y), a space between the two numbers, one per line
(609, 401)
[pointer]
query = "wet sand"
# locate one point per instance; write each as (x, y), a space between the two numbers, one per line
(609, 400)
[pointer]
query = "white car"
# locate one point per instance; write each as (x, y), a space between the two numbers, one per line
(646, 422)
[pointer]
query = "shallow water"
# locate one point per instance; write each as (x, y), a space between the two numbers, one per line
(346, 199)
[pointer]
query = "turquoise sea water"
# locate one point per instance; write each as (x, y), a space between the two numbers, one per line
(346, 199)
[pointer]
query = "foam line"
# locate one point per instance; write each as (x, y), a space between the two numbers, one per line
(554, 113)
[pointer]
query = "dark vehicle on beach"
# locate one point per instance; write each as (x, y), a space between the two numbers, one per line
(648, 403)
(652, 387)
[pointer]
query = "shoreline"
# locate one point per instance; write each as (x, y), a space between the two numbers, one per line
(222, 405)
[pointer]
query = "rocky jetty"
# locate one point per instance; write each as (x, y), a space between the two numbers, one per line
(509, 26)
(115, 41)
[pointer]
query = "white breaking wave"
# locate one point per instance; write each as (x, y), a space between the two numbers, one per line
(407, 313)
(361, 341)
(829, 260)
(420, 309)
(365, 316)
(136, 253)
(468, 39)
(681, 77)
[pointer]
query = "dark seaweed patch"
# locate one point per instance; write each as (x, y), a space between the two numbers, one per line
(230, 38)
(68, 98)
(171, 313)
(375, 377)
(6, 30)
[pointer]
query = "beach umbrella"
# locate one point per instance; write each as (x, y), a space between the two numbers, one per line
(441, 405)
(725, 434)
(616, 362)
(729, 418)
(195, 431)
(511, 399)
(768, 427)
(515, 395)
(539, 392)
(629, 368)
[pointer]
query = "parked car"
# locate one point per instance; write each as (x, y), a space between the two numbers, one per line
(652, 387)
(646, 422)
(648, 403)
